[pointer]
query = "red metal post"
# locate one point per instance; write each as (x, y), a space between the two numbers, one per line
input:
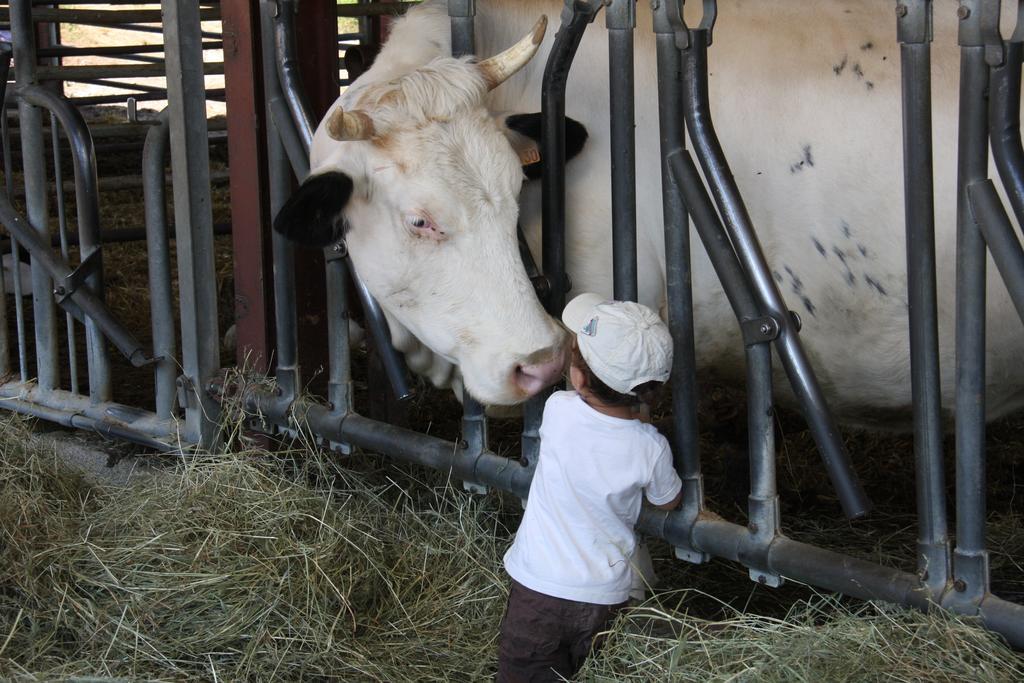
(243, 84)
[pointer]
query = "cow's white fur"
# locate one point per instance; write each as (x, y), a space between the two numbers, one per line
(791, 84)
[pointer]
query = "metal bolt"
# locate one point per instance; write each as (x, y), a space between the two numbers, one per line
(766, 328)
(901, 11)
(762, 579)
(59, 291)
(752, 528)
(959, 585)
(963, 11)
(338, 248)
(463, 444)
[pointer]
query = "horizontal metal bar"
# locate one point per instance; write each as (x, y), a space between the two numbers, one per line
(375, 9)
(108, 50)
(77, 411)
(90, 71)
(101, 17)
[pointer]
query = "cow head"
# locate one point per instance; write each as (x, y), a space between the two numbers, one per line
(423, 183)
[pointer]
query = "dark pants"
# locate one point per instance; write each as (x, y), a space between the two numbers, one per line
(543, 637)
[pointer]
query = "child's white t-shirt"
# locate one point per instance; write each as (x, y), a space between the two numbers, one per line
(576, 538)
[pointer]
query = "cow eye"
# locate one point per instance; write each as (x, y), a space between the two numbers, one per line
(418, 222)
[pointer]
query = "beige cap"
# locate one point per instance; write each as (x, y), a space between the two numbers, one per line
(626, 344)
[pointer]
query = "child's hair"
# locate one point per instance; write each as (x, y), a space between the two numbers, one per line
(645, 393)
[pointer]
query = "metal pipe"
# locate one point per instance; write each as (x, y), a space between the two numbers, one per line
(339, 361)
(1000, 237)
(108, 50)
(744, 240)
(288, 71)
(914, 33)
(279, 189)
(62, 236)
(620, 18)
(82, 299)
(154, 158)
(678, 269)
(19, 305)
(83, 157)
(5, 345)
(190, 169)
(99, 17)
(380, 332)
(36, 200)
(462, 13)
(375, 9)
(295, 148)
(88, 71)
(77, 412)
(576, 16)
(1004, 121)
(970, 560)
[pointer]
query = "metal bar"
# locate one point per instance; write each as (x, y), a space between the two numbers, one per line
(279, 188)
(250, 212)
(19, 305)
(62, 235)
(83, 157)
(36, 200)
(98, 17)
(118, 235)
(576, 16)
(1004, 121)
(462, 13)
(295, 147)
(5, 344)
(970, 559)
(339, 360)
(215, 95)
(678, 271)
(82, 299)
(190, 168)
(620, 18)
(109, 419)
(914, 28)
(1000, 237)
(126, 51)
(154, 158)
(744, 239)
(377, 325)
(89, 71)
(288, 73)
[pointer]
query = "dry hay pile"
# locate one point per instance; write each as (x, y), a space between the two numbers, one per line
(253, 566)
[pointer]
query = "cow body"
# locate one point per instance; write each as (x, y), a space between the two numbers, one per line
(806, 102)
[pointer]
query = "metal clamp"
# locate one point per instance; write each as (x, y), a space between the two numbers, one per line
(979, 27)
(914, 21)
(587, 8)
(759, 330)
(621, 14)
(668, 18)
(90, 265)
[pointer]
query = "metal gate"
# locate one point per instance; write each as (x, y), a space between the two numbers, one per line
(951, 576)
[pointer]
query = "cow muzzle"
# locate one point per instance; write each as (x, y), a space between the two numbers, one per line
(532, 378)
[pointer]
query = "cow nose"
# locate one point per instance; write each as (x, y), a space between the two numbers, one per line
(531, 379)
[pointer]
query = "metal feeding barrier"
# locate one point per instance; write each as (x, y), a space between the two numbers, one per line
(697, 186)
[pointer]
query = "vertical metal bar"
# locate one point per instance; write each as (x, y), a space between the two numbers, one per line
(620, 19)
(970, 560)
(741, 232)
(30, 126)
(5, 343)
(279, 188)
(19, 304)
(763, 501)
(914, 27)
(158, 253)
(462, 13)
(1004, 120)
(339, 382)
(576, 16)
(474, 421)
(190, 169)
(58, 179)
(668, 27)
(288, 71)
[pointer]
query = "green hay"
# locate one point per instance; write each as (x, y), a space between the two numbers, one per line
(819, 640)
(253, 566)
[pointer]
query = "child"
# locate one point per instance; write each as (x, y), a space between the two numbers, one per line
(571, 561)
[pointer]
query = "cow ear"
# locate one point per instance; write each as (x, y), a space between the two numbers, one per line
(312, 215)
(523, 131)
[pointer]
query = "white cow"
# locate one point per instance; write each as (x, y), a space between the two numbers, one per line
(806, 99)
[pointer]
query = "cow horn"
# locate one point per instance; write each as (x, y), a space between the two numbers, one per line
(498, 68)
(349, 125)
